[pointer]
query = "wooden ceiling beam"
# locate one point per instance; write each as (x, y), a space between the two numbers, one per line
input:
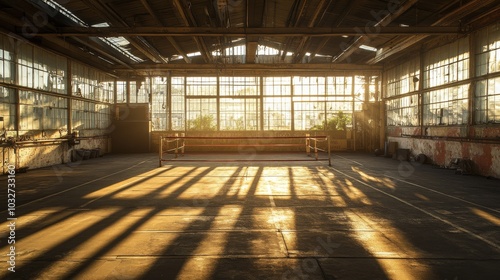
(304, 42)
(338, 22)
(171, 40)
(155, 31)
(93, 45)
(254, 19)
(258, 66)
(139, 43)
(347, 51)
(190, 22)
(294, 18)
(448, 19)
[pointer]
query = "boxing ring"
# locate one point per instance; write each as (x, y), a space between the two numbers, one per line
(175, 147)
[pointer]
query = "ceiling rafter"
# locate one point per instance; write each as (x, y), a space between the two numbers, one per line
(448, 19)
(256, 9)
(242, 32)
(346, 52)
(304, 42)
(139, 43)
(280, 66)
(97, 46)
(294, 18)
(171, 40)
(188, 20)
(338, 22)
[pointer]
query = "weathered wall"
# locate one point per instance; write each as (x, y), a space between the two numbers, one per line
(42, 155)
(442, 144)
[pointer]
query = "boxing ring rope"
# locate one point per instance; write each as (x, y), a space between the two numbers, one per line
(178, 141)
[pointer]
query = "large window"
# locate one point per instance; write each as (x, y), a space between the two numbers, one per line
(487, 91)
(488, 50)
(178, 103)
(121, 92)
(90, 116)
(239, 103)
(251, 103)
(25, 65)
(277, 103)
(201, 103)
(49, 71)
(202, 114)
(447, 106)
(159, 103)
(403, 78)
(403, 111)
(447, 64)
(42, 112)
(309, 96)
(7, 69)
(340, 97)
(488, 101)
(39, 69)
(7, 108)
(139, 91)
(201, 86)
(92, 84)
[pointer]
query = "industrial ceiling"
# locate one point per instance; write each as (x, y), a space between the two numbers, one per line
(137, 35)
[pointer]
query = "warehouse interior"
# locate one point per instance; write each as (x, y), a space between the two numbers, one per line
(405, 91)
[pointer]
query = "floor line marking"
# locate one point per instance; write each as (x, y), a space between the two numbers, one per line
(429, 189)
(78, 186)
(348, 159)
(492, 244)
(444, 194)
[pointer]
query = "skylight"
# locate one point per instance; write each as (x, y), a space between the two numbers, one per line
(368, 48)
(118, 43)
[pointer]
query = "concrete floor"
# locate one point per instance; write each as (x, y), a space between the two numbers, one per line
(366, 217)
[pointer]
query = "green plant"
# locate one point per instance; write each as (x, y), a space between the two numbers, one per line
(337, 122)
(202, 123)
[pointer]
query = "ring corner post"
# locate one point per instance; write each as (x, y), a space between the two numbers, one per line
(160, 150)
(183, 135)
(308, 144)
(329, 151)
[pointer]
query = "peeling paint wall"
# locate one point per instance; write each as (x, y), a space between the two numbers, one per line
(486, 156)
(37, 156)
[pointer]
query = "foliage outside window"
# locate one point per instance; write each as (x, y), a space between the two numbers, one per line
(487, 91)
(201, 114)
(336, 124)
(202, 123)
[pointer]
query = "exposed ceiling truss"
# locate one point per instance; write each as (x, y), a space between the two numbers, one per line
(205, 32)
